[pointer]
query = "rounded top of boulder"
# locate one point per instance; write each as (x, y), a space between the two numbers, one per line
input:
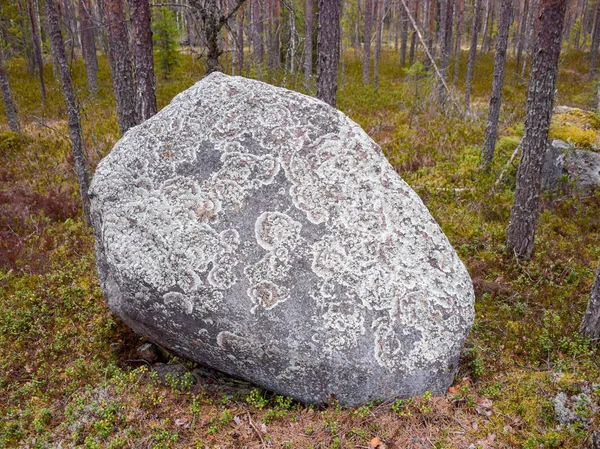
(263, 233)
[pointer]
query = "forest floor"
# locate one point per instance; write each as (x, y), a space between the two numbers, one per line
(69, 374)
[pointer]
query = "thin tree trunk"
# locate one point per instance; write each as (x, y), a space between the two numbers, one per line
(378, 30)
(257, 35)
(328, 54)
(366, 68)
(88, 46)
(9, 103)
(37, 48)
(308, 50)
(522, 26)
(121, 64)
(413, 37)
(141, 37)
(75, 130)
(403, 36)
(472, 53)
(457, 49)
(590, 325)
(595, 41)
(491, 132)
(540, 94)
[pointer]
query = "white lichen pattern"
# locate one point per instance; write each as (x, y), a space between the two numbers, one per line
(175, 207)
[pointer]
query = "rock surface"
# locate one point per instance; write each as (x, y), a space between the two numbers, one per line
(567, 167)
(262, 233)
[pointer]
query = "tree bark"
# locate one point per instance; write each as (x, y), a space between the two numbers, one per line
(9, 104)
(595, 41)
(457, 48)
(413, 37)
(590, 325)
(521, 41)
(328, 54)
(308, 50)
(472, 53)
(75, 130)
(257, 34)
(37, 47)
(540, 94)
(88, 46)
(366, 68)
(379, 6)
(121, 64)
(141, 36)
(491, 131)
(403, 36)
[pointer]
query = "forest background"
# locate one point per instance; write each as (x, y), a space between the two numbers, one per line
(70, 375)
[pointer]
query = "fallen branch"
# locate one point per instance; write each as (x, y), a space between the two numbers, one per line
(437, 70)
(508, 164)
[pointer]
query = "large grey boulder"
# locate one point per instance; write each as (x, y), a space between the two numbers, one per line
(262, 233)
(565, 167)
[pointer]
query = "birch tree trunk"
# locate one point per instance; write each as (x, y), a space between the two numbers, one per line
(88, 46)
(9, 103)
(141, 37)
(308, 48)
(540, 94)
(121, 64)
(74, 121)
(590, 325)
(491, 131)
(472, 53)
(366, 68)
(328, 57)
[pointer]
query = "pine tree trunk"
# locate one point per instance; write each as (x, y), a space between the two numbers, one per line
(457, 48)
(121, 64)
(491, 132)
(540, 94)
(75, 130)
(9, 104)
(366, 67)
(37, 47)
(257, 34)
(413, 36)
(239, 40)
(522, 26)
(403, 36)
(472, 53)
(141, 37)
(595, 41)
(590, 325)
(308, 50)
(88, 46)
(328, 55)
(378, 25)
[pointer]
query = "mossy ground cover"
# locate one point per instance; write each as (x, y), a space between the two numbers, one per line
(69, 376)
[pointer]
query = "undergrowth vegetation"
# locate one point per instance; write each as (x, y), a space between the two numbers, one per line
(69, 375)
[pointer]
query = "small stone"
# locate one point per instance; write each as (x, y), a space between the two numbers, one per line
(147, 352)
(115, 346)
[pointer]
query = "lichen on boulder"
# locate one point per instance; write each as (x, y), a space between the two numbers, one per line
(261, 232)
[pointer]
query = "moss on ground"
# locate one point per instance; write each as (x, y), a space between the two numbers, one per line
(68, 374)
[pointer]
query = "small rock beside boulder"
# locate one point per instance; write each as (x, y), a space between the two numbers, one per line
(566, 167)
